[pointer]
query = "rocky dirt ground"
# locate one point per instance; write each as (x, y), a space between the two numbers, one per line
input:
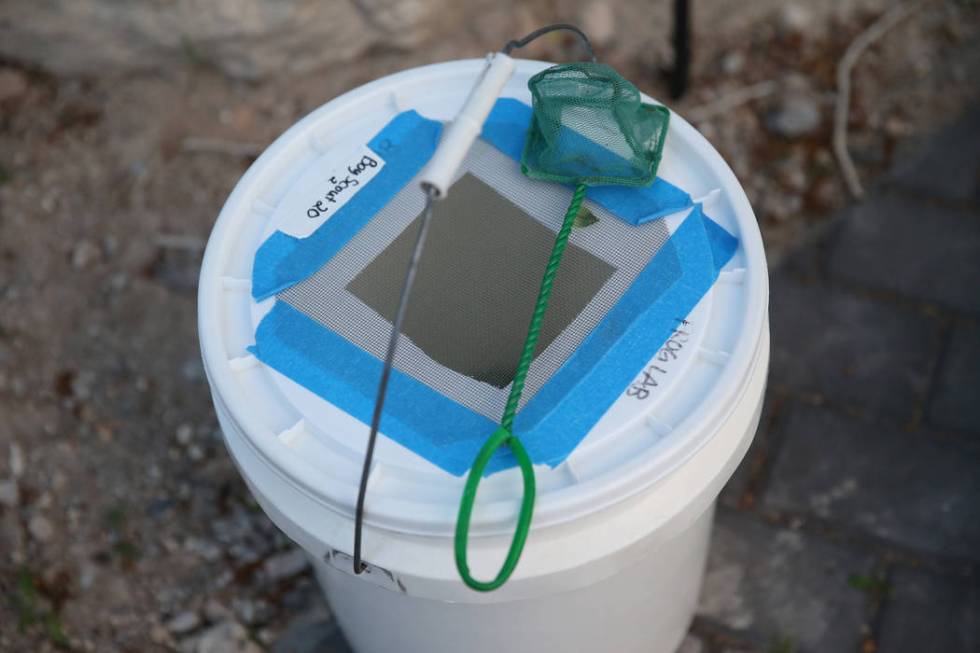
(124, 526)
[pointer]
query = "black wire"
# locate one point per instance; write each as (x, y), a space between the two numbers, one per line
(520, 43)
(396, 328)
(682, 49)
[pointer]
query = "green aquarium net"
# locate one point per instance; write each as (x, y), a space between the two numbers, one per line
(591, 127)
(588, 128)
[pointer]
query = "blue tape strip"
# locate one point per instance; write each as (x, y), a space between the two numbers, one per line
(506, 129)
(406, 144)
(416, 416)
(556, 419)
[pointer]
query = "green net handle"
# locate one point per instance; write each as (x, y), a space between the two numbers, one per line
(500, 437)
(503, 434)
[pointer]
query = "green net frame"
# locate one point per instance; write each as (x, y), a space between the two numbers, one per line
(591, 127)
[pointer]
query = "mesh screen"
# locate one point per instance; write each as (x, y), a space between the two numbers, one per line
(590, 127)
(477, 282)
(487, 247)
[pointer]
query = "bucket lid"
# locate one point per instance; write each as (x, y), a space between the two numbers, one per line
(659, 421)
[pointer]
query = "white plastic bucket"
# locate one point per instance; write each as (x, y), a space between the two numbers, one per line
(616, 552)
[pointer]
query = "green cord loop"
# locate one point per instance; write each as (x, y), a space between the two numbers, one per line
(503, 434)
(500, 436)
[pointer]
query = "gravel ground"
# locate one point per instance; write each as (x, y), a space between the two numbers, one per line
(124, 526)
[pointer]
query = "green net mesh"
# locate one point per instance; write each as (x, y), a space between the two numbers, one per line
(590, 127)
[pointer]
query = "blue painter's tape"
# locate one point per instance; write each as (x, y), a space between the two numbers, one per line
(556, 419)
(406, 144)
(416, 416)
(506, 129)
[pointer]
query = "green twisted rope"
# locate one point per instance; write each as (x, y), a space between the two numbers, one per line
(503, 434)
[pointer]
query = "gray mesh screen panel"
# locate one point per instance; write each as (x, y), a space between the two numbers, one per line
(480, 273)
(477, 282)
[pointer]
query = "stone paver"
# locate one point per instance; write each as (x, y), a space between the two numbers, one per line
(783, 586)
(917, 249)
(852, 350)
(863, 390)
(948, 166)
(862, 386)
(956, 399)
(925, 612)
(901, 486)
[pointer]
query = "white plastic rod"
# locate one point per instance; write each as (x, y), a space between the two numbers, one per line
(459, 136)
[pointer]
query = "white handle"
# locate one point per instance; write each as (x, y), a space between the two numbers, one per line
(459, 136)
